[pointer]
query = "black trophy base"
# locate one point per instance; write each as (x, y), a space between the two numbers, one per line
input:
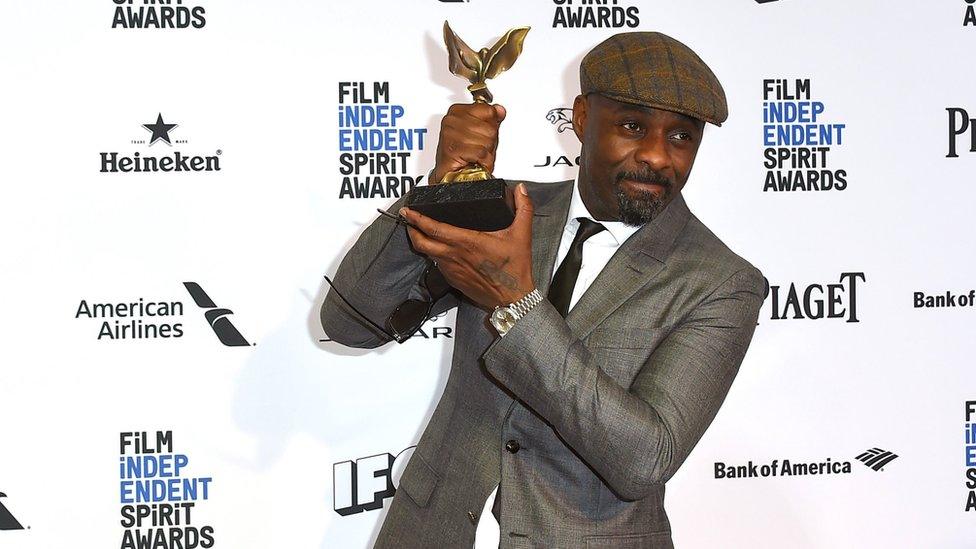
(477, 205)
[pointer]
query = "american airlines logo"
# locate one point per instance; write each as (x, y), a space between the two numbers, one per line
(876, 458)
(7, 521)
(217, 317)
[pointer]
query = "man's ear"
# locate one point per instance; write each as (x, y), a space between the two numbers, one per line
(579, 116)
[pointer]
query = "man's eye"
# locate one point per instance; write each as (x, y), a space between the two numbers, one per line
(681, 136)
(631, 126)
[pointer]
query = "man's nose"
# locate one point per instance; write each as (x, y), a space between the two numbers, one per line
(653, 151)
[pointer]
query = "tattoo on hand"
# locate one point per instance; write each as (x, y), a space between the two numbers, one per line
(498, 275)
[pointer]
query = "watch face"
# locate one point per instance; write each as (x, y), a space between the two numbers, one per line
(502, 319)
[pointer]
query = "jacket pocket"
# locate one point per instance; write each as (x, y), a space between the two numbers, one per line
(657, 540)
(418, 480)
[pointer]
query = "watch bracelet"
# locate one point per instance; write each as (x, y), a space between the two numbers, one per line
(524, 305)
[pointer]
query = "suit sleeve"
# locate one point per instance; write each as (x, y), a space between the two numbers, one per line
(378, 273)
(632, 437)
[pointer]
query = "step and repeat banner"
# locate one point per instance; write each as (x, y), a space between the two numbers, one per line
(178, 176)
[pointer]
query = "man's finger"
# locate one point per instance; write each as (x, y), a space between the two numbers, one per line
(481, 111)
(427, 245)
(436, 230)
(500, 112)
(462, 130)
(523, 211)
(473, 153)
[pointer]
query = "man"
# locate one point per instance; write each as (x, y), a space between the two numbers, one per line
(577, 408)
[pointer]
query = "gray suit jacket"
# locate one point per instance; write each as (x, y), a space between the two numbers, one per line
(605, 404)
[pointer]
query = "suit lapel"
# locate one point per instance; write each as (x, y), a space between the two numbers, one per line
(637, 261)
(551, 206)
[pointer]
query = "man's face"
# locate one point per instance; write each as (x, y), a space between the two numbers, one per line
(634, 159)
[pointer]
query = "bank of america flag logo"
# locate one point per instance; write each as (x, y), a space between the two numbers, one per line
(876, 458)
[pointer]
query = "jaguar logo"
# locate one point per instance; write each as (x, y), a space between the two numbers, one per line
(562, 118)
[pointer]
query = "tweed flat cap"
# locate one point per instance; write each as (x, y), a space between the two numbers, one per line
(654, 70)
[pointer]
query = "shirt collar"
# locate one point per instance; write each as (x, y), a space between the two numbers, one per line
(617, 229)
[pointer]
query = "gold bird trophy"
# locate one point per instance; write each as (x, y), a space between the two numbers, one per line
(471, 197)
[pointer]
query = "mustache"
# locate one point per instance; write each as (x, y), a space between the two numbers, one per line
(644, 176)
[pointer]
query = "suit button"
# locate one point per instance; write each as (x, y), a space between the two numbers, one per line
(472, 517)
(512, 446)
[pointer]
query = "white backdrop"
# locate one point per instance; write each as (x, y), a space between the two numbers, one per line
(275, 422)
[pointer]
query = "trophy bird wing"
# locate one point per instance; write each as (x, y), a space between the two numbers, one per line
(503, 54)
(463, 61)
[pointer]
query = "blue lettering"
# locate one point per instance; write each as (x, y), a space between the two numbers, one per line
(382, 140)
(148, 466)
(366, 116)
(788, 112)
(174, 489)
(795, 135)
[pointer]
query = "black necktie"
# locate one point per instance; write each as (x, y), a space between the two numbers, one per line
(564, 281)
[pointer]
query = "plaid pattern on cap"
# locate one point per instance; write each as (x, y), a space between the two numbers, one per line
(654, 70)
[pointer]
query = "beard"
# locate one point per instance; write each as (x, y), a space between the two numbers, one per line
(636, 210)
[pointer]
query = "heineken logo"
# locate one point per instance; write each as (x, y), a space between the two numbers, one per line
(163, 131)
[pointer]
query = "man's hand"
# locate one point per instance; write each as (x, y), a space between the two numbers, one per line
(469, 135)
(490, 268)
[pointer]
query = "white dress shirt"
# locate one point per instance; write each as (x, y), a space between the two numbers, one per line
(597, 251)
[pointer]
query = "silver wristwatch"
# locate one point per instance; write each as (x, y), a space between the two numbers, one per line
(503, 318)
